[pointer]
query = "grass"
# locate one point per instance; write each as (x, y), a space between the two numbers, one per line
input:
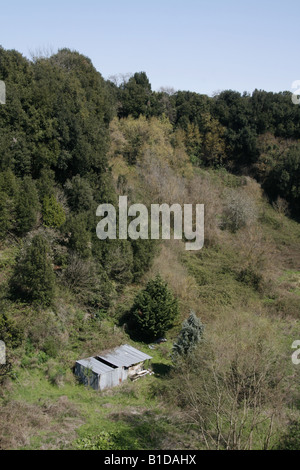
(290, 279)
(131, 409)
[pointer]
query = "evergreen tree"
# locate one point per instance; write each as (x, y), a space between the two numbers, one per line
(79, 236)
(27, 206)
(34, 278)
(154, 310)
(189, 336)
(136, 96)
(6, 214)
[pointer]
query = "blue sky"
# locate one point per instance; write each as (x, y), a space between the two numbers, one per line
(198, 45)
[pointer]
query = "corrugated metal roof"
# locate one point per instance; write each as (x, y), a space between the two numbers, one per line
(125, 356)
(96, 366)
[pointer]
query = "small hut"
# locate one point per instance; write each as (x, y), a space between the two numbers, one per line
(111, 369)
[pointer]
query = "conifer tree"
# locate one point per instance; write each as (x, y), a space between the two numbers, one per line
(189, 336)
(27, 206)
(34, 278)
(154, 310)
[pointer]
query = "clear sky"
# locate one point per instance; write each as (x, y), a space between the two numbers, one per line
(198, 45)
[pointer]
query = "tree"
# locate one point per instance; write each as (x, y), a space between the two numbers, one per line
(189, 336)
(136, 96)
(34, 278)
(6, 214)
(79, 194)
(27, 206)
(283, 178)
(79, 236)
(155, 309)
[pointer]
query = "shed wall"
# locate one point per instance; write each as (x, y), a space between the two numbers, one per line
(86, 376)
(110, 379)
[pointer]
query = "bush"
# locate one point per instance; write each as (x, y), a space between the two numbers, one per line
(106, 441)
(239, 211)
(291, 439)
(51, 347)
(88, 281)
(53, 213)
(251, 277)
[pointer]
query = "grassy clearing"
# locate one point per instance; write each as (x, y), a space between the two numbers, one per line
(63, 414)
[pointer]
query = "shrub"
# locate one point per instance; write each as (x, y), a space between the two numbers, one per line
(106, 441)
(251, 277)
(239, 211)
(53, 213)
(291, 439)
(88, 281)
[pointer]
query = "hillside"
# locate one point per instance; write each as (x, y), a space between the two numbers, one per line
(69, 141)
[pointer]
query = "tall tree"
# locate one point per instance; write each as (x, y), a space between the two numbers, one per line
(27, 206)
(155, 309)
(34, 279)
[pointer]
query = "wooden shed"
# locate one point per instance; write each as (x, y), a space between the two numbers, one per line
(112, 368)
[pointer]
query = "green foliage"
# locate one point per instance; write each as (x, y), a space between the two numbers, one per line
(79, 194)
(118, 261)
(136, 96)
(50, 347)
(27, 206)
(105, 441)
(251, 277)
(57, 115)
(190, 335)
(88, 281)
(284, 177)
(79, 236)
(6, 214)
(33, 278)
(46, 183)
(143, 255)
(55, 150)
(10, 331)
(53, 214)
(291, 439)
(155, 309)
